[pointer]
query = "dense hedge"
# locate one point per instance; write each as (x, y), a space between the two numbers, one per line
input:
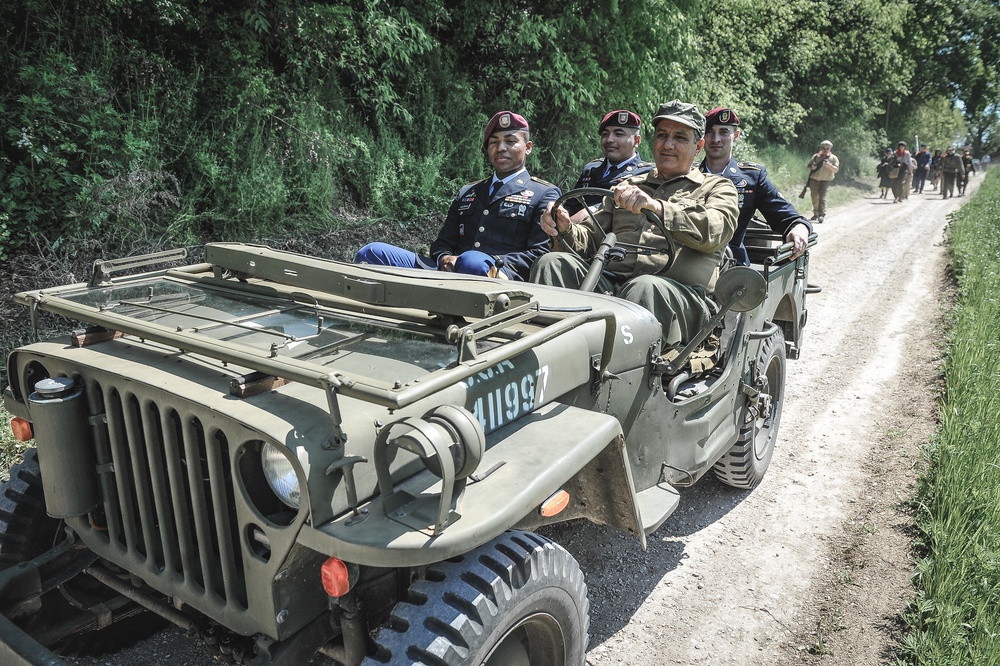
(199, 119)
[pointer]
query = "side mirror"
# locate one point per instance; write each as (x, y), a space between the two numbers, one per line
(740, 289)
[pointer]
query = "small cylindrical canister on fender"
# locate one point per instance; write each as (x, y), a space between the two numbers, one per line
(65, 447)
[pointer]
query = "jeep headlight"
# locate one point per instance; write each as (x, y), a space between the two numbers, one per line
(281, 475)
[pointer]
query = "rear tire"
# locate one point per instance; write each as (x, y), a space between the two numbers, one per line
(27, 531)
(517, 600)
(744, 465)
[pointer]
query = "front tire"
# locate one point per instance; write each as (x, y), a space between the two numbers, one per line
(27, 531)
(744, 465)
(519, 600)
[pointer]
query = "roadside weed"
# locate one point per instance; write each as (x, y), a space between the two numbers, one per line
(955, 617)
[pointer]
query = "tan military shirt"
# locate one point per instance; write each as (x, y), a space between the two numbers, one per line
(700, 213)
(825, 172)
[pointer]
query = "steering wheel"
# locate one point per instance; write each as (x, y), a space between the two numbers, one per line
(581, 192)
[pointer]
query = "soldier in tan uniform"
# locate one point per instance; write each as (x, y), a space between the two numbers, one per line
(698, 210)
(968, 168)
(823, 166)
(952, 168)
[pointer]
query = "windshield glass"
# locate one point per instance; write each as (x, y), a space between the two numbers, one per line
(292, 328)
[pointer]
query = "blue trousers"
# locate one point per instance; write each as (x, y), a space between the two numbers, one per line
(472, 262)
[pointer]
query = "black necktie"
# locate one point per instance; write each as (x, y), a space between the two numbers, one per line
(495, 187)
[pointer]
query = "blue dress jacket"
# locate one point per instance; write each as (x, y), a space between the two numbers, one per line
(506, 226)
(593, 176)
(757, 194)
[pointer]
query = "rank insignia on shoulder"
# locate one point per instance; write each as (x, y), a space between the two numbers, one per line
(749, 165)
(542, 182)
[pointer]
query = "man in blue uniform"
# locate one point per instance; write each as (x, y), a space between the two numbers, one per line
(621, 135)
(923, 161)
(756, 191)
(492, 226)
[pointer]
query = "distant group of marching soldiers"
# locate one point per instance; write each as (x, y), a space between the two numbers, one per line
(902, 173)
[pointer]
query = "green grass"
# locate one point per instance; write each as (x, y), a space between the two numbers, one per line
(10, 449)
(787, 170)
(955, 618)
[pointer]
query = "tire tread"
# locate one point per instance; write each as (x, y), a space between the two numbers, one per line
(471, 597)
(736, 467)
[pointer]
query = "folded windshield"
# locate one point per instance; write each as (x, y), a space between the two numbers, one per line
(295, 328)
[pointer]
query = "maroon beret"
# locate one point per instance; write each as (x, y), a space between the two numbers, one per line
(620, 118)
(721, 116)
(503, 121)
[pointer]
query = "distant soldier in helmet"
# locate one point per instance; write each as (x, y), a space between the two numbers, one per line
(823, 167)
(953, 169)
(756, 192)
(968, 168)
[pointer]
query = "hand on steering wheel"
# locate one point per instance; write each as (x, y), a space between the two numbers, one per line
(581, 192)
(635, 200)
(555, 219)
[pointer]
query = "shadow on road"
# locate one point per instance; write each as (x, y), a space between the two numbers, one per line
(620, 576)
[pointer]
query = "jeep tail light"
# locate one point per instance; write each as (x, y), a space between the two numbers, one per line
(555, 504)
(23, 431)
(336, 579)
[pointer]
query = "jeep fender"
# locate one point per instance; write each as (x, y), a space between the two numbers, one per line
(556, 447)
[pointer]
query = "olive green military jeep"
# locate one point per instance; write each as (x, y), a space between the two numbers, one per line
(287, 455)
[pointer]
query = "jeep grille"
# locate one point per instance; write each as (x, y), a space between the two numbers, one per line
(169, 502)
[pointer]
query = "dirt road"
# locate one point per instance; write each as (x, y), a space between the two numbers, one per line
(814, 564)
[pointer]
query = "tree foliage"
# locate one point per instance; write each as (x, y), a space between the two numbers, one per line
(200, 119)
(956, 49)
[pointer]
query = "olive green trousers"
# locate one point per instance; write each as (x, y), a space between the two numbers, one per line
(682, 310)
